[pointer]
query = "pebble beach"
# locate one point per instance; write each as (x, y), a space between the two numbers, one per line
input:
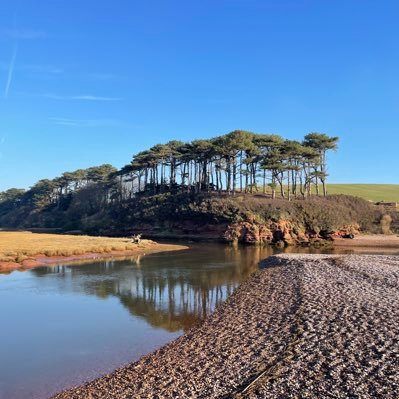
(304, 326)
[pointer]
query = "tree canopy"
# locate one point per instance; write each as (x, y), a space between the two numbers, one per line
(240, 161)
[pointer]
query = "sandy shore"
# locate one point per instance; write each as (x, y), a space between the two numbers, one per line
(307, 326)
(372, 241)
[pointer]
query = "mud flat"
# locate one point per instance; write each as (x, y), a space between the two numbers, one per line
(306, 326)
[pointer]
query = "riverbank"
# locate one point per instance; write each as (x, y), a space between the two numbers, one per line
(372, 241)
(25, 250)
(305, 326)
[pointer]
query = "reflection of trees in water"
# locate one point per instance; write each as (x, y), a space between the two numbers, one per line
(172, 303)
(171, 291)
(176, 300)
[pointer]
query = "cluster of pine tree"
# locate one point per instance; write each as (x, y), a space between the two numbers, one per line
(58, 192)
(238, 161)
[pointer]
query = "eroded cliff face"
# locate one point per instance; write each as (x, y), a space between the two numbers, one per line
(250, 220)
(282, 232)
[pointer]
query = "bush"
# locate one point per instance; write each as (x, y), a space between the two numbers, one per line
(166, 211)
(385, 223)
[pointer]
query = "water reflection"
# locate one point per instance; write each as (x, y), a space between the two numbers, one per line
(67, 324)
(170, 291)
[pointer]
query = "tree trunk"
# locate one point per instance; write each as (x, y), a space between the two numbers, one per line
(241, 171)
(254, 176)
(228, 176)
(264, 181)
(324, 187)
(234, 175)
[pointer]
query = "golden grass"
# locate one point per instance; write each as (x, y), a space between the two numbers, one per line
(18, 246)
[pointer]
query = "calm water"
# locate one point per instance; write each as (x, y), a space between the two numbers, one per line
(63, 325)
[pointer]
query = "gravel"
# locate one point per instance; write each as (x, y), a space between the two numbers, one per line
(305, 326)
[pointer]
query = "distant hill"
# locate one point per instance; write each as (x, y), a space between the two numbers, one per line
(371, 192)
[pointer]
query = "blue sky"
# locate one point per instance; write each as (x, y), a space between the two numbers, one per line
(90, 82)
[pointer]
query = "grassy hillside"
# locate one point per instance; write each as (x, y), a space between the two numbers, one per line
(372, 192)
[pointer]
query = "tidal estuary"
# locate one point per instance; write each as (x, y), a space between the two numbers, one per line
(66, 324)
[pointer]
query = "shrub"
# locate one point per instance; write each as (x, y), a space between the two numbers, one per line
(385, 223)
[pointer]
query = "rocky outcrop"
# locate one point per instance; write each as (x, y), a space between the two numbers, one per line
(282, 232)
(249, 233)
(271, 233)
(346, 231)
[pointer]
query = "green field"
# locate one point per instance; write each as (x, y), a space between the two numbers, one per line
(372, 192)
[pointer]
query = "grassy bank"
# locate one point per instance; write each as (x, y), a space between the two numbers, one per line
(19, 247)
(371, 192)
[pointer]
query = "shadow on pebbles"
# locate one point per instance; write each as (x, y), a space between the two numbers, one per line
(305, 326)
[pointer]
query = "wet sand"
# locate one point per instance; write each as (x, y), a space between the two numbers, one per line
(306, 326)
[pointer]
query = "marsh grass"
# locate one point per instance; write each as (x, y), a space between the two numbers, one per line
(18, 246)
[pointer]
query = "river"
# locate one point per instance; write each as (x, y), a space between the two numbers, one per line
(63, 325)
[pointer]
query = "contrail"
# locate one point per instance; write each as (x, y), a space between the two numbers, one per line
(11, 70)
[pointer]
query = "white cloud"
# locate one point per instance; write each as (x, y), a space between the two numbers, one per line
(35, 68)
(82, 122)
(86, 97)
(48, 69)
(10, 71)
(21, 34)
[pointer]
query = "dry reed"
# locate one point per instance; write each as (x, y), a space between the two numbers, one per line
(18, 246)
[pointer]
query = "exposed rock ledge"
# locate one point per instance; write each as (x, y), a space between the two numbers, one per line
(283, 232)
(309, 326)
